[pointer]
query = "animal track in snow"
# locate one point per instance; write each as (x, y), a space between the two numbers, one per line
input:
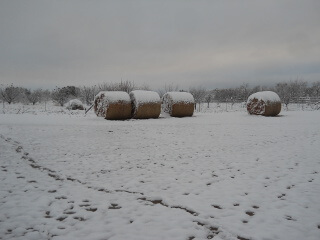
(216, 206)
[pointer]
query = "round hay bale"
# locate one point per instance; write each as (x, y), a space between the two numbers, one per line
(113, 105)
(178, 104)
(264, 103)
(145, 104)
(74, 104)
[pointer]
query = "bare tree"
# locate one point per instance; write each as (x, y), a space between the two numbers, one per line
(226, 95)
(198, 95)
(88, 94)
(298, 88)
(144, 87)
(60, 96)
(290, 91)
(316, 89)
(9, 94)
(33, 96)
(209, 97)
(168, 88)
(284, 93)
(126, 86)
(243, 92)
(45, 96)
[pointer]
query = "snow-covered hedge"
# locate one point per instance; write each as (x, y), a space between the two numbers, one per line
(266, 103)
(75, 104)
(178, 104)
(113, 105)
(145, 104)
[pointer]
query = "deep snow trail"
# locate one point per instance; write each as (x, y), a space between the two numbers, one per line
(226, 176)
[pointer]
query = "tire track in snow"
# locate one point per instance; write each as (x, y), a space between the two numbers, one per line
(212, 230)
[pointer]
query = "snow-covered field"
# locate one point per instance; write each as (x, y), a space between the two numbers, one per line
(217, 175)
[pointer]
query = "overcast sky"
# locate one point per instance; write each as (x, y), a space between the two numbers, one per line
(211, 43)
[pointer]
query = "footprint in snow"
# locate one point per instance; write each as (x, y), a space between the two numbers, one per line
(114, 206)
(79, 218)
(48, 214)
(250, 213)
(61, 197)
(91, 209)
(19, 149)
(216, 206)
(61, 218)
(69, 212)
(84, 205)
(242, 238)
(289, 218)
(282, 196)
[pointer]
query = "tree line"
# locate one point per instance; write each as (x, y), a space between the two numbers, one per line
(289, 92)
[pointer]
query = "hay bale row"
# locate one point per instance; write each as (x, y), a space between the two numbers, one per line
(178, 104)
(264, 103)
(140, 104)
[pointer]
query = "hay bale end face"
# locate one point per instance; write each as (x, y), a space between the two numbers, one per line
(264, 103)
(113, 105)
(145, 104)
(178, 104)
(75, 104)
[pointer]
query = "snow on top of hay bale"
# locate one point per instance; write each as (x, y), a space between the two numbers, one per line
(75, 104)
(265, 96)
(179, 97)
(141, 97)
(114, 96)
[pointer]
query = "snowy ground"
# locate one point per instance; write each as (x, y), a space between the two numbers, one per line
(220, 175)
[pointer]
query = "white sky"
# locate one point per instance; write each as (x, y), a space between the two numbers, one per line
(210, 43)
